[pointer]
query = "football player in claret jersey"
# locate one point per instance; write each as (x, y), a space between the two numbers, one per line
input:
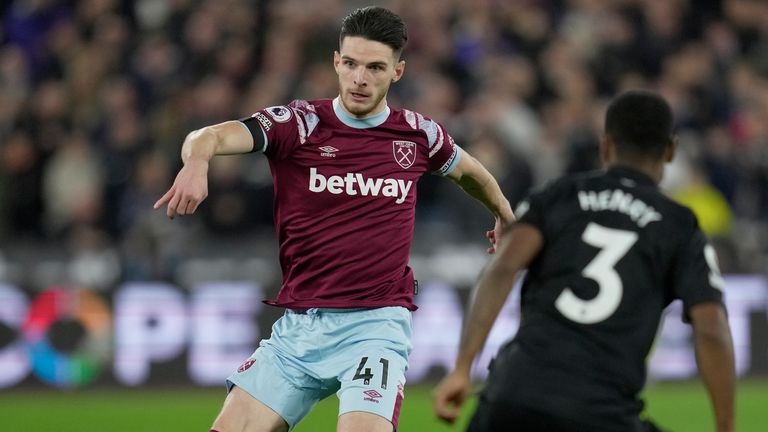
(605, 253)
(345, 173)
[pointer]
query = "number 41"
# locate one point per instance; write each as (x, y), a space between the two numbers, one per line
(366, 375)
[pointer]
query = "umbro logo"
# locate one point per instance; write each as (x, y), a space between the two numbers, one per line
(328, 151)
(372, 396)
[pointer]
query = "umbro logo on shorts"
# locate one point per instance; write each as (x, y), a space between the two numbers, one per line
(372, 396)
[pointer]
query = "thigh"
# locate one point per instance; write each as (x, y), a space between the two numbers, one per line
(359, 421)
(373, 362)
(242, 413)
(374, 383)
(273, 381)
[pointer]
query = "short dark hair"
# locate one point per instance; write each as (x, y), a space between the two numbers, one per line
(376, 24)
(640, 123)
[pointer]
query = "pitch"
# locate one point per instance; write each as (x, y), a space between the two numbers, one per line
(679, 407)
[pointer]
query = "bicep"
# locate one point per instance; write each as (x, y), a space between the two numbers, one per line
(708, 318)
(467, 165)
(233, 138)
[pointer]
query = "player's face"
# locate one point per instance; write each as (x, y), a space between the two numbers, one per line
(366, 69)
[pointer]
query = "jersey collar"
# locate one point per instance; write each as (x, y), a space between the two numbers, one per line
(631, 176)
(359, 123)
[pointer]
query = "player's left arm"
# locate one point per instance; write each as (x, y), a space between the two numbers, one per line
(475, 180)
(714, 356)
(516, 250)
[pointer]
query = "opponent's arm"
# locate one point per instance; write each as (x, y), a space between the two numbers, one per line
(472, 176)
(714, 356)
(191, 185)
(517, 249)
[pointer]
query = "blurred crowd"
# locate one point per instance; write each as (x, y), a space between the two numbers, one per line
(96, 97)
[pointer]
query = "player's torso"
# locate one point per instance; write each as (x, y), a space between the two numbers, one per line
(342, 167)
(598, 290)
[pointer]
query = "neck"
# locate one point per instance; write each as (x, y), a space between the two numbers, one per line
(650, 167)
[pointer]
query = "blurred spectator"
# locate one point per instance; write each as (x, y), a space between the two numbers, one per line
(234, 207)
(708, 204)
(73, 183)
(96, 97)
(20, 187)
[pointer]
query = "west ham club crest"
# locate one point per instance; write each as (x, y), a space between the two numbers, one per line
(405, 153)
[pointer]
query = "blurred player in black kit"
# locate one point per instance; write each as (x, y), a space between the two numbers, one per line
(606, 252)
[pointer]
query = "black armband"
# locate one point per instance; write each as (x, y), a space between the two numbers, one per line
(258, 134)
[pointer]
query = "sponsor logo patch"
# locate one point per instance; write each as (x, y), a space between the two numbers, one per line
(357, 184)
(246, 364)
(372, 396)
(265, 123)
(404, 152)
(280, 113)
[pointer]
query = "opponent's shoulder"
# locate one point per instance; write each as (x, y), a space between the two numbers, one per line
(564, 186)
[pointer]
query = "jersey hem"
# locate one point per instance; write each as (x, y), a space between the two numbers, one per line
(339, 305)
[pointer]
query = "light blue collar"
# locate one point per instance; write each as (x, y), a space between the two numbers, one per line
(359, 123)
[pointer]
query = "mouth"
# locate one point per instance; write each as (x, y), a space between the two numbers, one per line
(357, 96)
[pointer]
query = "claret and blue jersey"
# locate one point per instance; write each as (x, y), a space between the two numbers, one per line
(345, 195)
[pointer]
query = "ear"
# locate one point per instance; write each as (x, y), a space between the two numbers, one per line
(336, 60)
(399, 69)
(607, 150)
(669, 150)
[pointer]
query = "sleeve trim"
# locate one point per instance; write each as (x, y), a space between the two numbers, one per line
(257, 133)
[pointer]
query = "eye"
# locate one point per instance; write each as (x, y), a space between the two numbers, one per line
(376, 68)
(348, 63)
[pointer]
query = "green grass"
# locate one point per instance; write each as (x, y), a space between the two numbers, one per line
(681, 407)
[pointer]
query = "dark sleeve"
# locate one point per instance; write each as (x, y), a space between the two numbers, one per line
(258, 134)
(697, 276)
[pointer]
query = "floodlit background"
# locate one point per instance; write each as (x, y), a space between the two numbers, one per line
(107, 306)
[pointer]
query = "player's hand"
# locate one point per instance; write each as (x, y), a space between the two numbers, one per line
(493, 236)
(450, 395)
(189, 189)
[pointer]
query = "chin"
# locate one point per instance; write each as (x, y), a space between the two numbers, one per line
(358, 110)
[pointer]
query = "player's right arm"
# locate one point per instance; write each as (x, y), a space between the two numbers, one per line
(190, 187)
(714, 356)
(516, 250)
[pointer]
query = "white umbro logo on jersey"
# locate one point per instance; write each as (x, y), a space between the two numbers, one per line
(328, 151)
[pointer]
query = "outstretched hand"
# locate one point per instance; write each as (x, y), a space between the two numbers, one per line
(450, 395)
(189, 189)
(494, 236)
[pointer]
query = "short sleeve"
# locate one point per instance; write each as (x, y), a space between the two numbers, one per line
(444, 154)
(697, 276)
(531, 211)
(285, 127)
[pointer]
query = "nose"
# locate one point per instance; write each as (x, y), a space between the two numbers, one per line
(359, 77)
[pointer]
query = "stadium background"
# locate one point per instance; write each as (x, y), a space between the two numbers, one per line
(112, 316)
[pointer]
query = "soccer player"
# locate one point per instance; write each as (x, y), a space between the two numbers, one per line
(605, 253)
(345, 173)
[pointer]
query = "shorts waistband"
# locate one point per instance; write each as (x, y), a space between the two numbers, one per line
(315, 311)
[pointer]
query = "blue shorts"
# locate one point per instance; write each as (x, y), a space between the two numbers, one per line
(360, 354)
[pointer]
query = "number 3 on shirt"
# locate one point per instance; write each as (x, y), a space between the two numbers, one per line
(613, 244)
